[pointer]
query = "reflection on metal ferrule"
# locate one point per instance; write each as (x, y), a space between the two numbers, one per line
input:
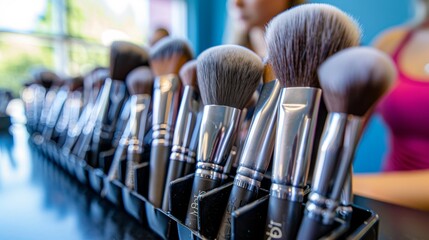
(291, 193)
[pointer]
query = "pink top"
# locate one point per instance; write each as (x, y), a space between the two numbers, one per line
(406, 112)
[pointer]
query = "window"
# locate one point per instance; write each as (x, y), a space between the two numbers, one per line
(72, 36)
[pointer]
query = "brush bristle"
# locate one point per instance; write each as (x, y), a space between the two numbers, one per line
(140, 81)
(268, 73)
(124, 57)
(46, 77)
(228, 75)
(169, 54)
(75, 83)
(300, 39)
(354, 79)
(188, 74)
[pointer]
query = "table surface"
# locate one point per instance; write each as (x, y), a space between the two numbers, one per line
(39, 201)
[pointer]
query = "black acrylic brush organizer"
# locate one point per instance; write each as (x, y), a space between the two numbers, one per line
(247, 222)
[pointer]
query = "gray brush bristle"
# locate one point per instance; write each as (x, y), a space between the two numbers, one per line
(300, 39)
(354, 79)
(169, 46)
(228, 75)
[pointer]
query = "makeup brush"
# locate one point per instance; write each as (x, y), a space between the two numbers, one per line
(139, 83)
(184, 129)
(227, 77)
(167, 57)
(256, 152)
(352, 81)
(298, 41)
(124, 57)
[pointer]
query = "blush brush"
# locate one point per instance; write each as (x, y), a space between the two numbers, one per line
(352, 81)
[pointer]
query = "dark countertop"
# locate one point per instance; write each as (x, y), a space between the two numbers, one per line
(40, 201)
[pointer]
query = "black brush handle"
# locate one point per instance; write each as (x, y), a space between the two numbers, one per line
(175, 171)
(239, 197)
(200, 186)
(189, 168)
(283, 218)
(312, 229)
(159, 156)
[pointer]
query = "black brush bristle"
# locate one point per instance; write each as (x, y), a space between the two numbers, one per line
(45, 77)
(140, 81)
(124, 57)
(300, 39)
(228, 75)
(354, 79)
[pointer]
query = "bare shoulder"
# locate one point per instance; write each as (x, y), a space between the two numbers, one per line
(388, 40)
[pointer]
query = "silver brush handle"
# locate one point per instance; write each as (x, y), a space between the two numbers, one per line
(258, 147)
(139, 112)
(330, 147)
(351, 139)
(297, 116)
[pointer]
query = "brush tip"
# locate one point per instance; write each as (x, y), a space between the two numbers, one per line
(124, 57)
(355, 78)
(300, 39)
(188, 74)
(140, 81)
(169, 54)
(228, 75)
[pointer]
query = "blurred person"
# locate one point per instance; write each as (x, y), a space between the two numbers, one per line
(157, 35)
(248, 18)
(405, 175)
(404, 109)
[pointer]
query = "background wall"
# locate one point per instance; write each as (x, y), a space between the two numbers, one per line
(206, 21)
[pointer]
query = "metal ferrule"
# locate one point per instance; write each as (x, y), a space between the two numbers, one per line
(258, 147)
(39, 100)
(165, 104)
(217, 134)
(120, 153)
(54, 112)
(99, 106)
(248, 183)
(320, 208)
(351, 138)
(297, 117)
(185, 126)
(121, 123)
(139, 109)
(345, 209)
(288, 192)
(107, 121)
(210, 171)
(330, 147)
(193, 143)
(47, 104)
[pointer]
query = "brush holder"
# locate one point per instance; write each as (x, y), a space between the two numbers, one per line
(97, 175)
(135, 201)
(247, 222)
